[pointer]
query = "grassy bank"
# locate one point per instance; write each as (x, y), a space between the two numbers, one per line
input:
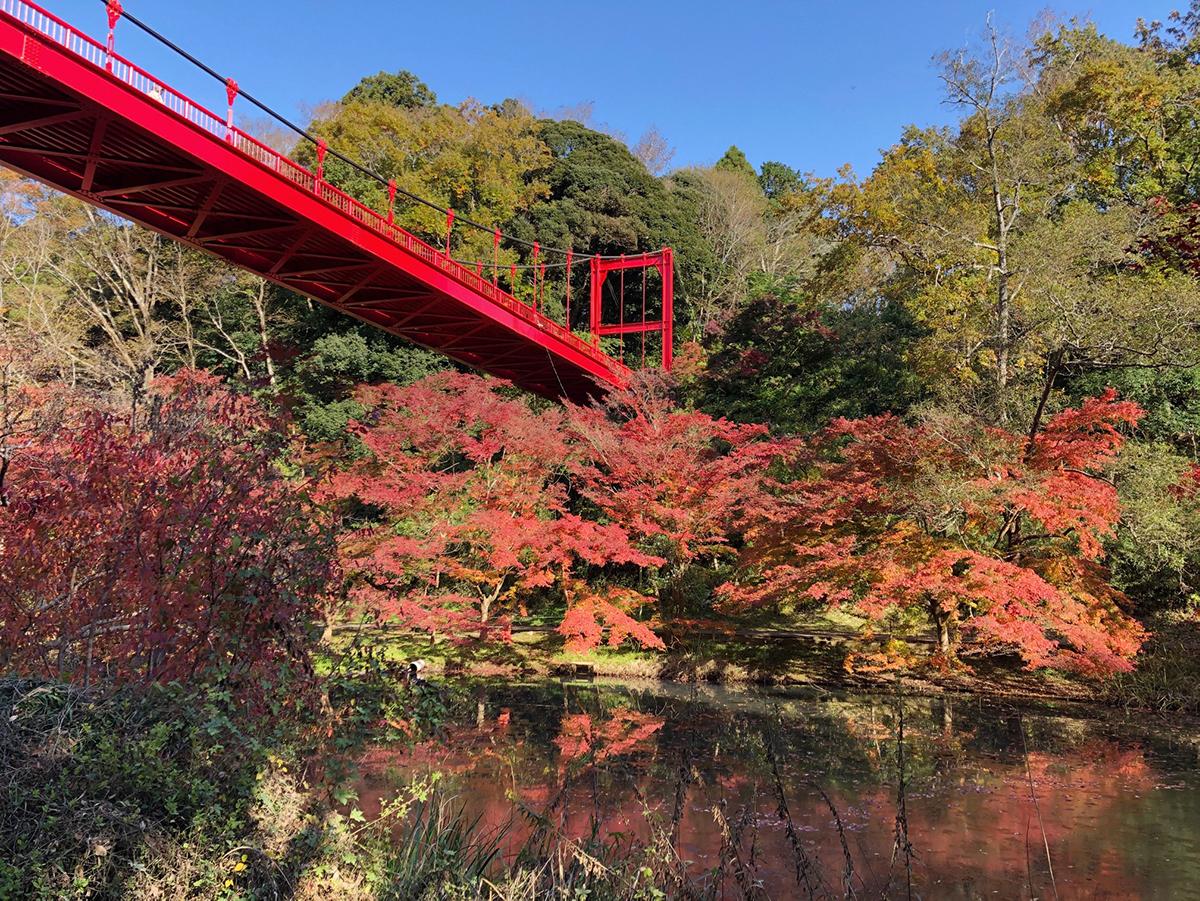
(1167, 677)
(166, 793)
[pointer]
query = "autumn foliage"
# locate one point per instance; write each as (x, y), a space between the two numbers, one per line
(982, 532)
(153, 545)
(464, 514)
(679, 481)
(167, 542)
(582, 739)
(471, 505)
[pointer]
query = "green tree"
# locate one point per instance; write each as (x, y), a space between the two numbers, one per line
(779, 179)
(602, 199)
(788, 362)
(1126, 109)
(482, 162)
(1155, 553)
(1019, 280)
(400, 89)
(734, 160)
(340, 356)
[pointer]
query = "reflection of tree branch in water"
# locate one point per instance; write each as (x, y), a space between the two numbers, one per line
(663, 843)
(682, 781)
(582, 744)
(1037, 808)
(656, 797)
(848, 873)
(901, 843)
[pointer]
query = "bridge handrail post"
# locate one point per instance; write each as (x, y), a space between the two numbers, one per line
(114, 10)
(567, 314)
(533, 298)
(496, 257)
(322, 148)
(231, 92)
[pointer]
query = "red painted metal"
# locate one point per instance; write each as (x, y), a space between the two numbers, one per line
(567, 280)
(322, 149)
(496, 257)
(644, 274)
(231, 92)
(86, 121)
(114, 15)
(664, 262)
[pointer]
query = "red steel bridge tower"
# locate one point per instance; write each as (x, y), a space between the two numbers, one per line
(84, 120)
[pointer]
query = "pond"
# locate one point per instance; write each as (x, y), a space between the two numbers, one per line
(998, 800)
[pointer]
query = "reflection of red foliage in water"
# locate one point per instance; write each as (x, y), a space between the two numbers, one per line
(973, 820)
(1078, 804)
(621, 733)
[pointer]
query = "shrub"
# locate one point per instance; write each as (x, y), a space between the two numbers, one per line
(159, 545)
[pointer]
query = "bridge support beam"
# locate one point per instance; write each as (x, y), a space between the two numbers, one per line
(664, 263)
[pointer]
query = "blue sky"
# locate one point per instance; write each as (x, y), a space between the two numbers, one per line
(813, 84)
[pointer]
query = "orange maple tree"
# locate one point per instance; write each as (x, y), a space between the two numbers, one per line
(987, 533)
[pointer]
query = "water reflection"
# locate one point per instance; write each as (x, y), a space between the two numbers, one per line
(996, 799)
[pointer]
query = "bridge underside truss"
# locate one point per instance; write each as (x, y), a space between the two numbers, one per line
(115, 138)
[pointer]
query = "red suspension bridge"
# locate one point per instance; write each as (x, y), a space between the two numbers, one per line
(84, 120)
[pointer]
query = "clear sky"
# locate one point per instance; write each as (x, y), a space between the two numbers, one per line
(812, 84)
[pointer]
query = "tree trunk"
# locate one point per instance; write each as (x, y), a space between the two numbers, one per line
(1002, 339)
(485, 610)
(943, 628)
(264, 337)
(1052, 368)
(947, 717)
(1001, 227)
(1003, 297)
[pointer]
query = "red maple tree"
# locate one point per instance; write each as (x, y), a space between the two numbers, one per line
(985, 532)
(465, 515)
(153, 546)
(680, 481)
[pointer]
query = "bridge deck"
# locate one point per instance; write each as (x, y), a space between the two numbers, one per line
(103, 130)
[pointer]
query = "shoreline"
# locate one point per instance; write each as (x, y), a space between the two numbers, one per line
(814, 656)
(907, 684)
